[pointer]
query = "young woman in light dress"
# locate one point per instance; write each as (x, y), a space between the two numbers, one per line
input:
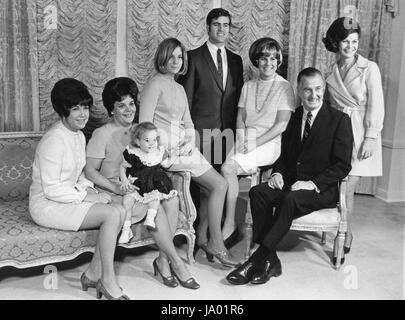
(265, 107)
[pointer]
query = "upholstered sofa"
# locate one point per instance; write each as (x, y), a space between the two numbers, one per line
(24, 244)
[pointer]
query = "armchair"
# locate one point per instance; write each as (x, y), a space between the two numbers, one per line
(324, 220)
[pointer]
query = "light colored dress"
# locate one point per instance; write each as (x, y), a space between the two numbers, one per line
(107, 143)
(58, 186)
(164, 103)
(361, 96)
(262, 100)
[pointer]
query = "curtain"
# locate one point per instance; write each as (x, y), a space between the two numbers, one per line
(19, 102)
(311, 19)
(151, 21)
(81, 45)
(255, 19)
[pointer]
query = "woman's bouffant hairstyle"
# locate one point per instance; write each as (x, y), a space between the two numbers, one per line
(164, 53)
(339, 30)
(138, 130)
(260, 46)
(116, 89)
(68, 93)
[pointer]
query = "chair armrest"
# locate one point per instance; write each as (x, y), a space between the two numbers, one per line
(181, 182)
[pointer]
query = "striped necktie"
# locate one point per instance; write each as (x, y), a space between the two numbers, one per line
(307, 127)
(220, 67)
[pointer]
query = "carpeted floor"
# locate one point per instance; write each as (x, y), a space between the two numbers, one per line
(374, 269)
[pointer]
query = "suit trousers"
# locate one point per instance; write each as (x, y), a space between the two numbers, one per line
(270, 226)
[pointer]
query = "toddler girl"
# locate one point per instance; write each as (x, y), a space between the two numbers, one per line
(147, 160)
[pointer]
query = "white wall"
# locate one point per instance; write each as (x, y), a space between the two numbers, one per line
(391, 186)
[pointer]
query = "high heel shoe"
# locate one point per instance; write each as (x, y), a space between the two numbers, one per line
(346, 249)
(86, 282)
(197, 246)
(222, 256)
(190, 283)
(101, 290)
(169, 281)
(232, 239)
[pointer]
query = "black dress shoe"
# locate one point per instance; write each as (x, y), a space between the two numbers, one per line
(232, 239)
(242, 274)
(271, 269)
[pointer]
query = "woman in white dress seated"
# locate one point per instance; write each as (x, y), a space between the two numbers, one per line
(265, 107)
(60, 195)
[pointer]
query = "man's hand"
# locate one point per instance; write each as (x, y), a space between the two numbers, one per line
(302, 185)
(276, 182)
(367, 148)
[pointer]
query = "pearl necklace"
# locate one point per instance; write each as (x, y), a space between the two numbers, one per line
(257, 108)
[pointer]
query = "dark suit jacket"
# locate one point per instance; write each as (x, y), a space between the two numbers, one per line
(325, 156)
(211, 105)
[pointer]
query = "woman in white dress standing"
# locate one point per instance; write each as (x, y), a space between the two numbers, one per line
(60, 195)
(265, 107)
(354, 86)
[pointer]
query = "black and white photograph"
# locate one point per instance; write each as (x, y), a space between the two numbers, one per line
(202, 155)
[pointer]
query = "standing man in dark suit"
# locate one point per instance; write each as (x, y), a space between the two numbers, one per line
(213, 84)
(316, 153)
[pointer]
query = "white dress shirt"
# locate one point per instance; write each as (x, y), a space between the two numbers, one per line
(213, 51)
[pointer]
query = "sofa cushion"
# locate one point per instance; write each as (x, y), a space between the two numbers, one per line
(23, 243)
(16, 158)
(321, 218)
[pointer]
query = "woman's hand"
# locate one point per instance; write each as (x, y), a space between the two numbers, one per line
(367, 148)
(98, 197)
(186, 147)
(246, 147)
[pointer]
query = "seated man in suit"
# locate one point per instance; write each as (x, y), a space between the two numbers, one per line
(316, 152)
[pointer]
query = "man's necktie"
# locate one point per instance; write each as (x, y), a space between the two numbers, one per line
(220, 67)
(307, 127)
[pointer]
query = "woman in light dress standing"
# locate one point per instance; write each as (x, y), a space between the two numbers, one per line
(354, 86)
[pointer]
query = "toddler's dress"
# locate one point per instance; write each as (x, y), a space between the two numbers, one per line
(152, 180)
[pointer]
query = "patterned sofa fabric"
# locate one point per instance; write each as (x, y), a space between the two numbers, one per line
(16, 157)
(24, 244)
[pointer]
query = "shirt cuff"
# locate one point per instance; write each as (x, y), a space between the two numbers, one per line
(314, 185)
(372, 133)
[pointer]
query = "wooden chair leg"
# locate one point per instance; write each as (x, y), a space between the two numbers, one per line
(248, 230)
(190, 248)
(323, 240)
(338, 249)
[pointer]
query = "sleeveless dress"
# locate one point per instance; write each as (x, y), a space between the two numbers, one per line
(272, 96)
